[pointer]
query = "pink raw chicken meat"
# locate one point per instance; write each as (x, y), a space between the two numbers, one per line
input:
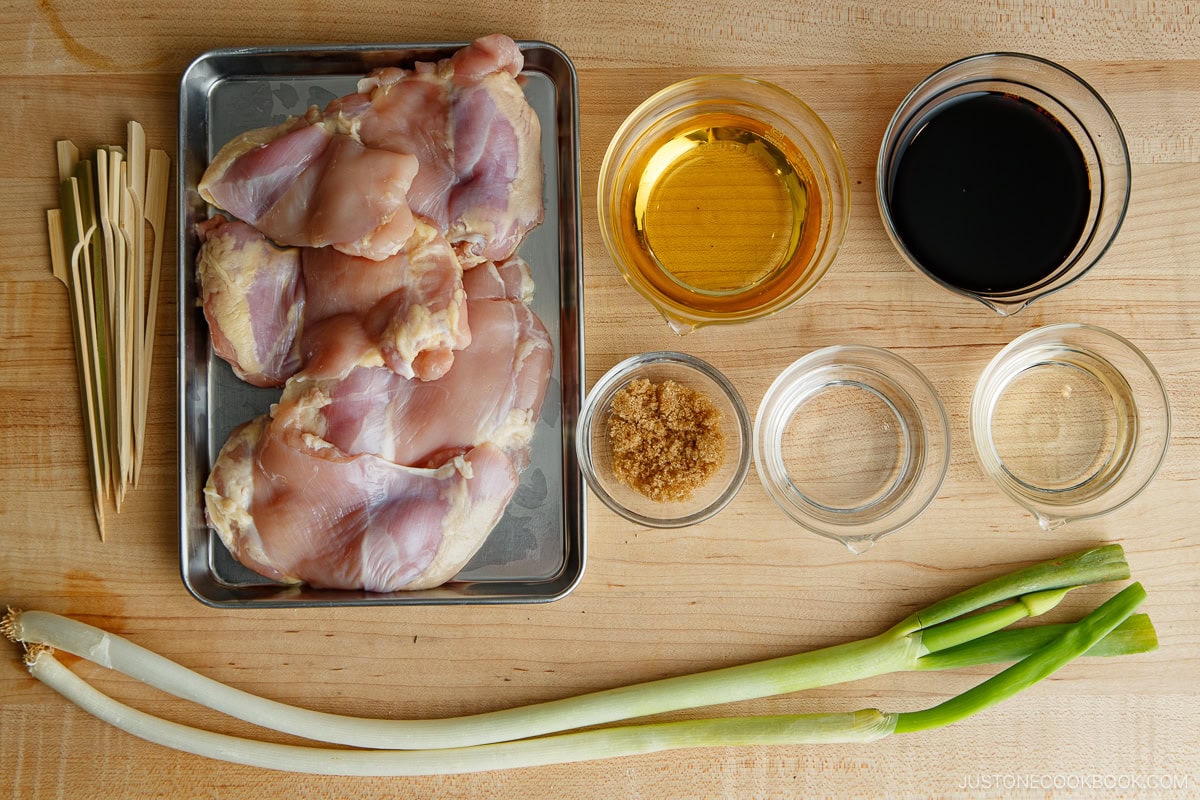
(411, 308)
(382, 483)
(296, 509)
(274, 310)
(475, 135)
(253, 299)
(510, 279)
(492, 393)
(399, 438)
(303, 183)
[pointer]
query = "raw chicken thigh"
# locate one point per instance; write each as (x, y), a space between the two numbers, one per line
(274, 310)
(455, 142)
(493, 393)
(508, 280)
(410, 307)
(476, 138)
(303, 183)
(253, 299)
(356, 463)
(296, 509)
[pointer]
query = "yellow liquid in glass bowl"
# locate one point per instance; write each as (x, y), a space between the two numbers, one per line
(715, 214)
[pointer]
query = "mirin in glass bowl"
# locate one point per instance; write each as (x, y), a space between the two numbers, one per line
(1071, 421)
(722, 199)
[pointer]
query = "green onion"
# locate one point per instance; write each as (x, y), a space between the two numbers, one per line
(1134, 635)
(1074, 641)
(859, 726)
(953, 626)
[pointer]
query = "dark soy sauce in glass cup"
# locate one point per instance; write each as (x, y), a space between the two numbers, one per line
(991, 193)
(1003, 177)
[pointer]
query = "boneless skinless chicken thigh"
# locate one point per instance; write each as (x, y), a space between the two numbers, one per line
(272, 311)
(412, 388)
(297, 509)
(455, 141)
(492, 393)
(476, 138)
(304, 183)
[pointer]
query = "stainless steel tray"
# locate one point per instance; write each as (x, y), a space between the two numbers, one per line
(536, 552)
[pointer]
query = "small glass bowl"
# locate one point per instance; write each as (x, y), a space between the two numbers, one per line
(852, 443)
(1071, 421)
(790, 126)
(1073, 104)
(595, 451)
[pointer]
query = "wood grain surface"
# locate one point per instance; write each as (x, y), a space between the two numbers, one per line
(747, 584)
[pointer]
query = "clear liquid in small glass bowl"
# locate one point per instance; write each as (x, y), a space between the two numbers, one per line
(1071, 421)
(852, 442)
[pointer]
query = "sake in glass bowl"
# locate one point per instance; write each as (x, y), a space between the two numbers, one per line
(1003, 177)
(595, 446)
(722, 199)
(852, 442)
(1071, 421)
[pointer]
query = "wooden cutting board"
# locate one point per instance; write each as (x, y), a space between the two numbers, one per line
(745, 585)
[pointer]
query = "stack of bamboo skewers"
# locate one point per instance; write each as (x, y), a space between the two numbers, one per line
(98, 249)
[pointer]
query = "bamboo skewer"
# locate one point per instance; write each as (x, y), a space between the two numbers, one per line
(158, 177)
(92, 289)
(79, 284)
(130, 216)
(110, 295)
(67, 243)
(116, 209)
(58, 262)
(98, 250)
(72, 244)
(134, 222)
(111, 211)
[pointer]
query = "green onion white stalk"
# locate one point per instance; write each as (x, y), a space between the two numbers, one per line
(860, 726)
(946, 634)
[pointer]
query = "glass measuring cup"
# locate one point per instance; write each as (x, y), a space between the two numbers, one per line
(1071, 110)
(852, 442)
(722, 199)
(1071, 421)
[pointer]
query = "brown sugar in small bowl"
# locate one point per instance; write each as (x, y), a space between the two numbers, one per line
(668, 499)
